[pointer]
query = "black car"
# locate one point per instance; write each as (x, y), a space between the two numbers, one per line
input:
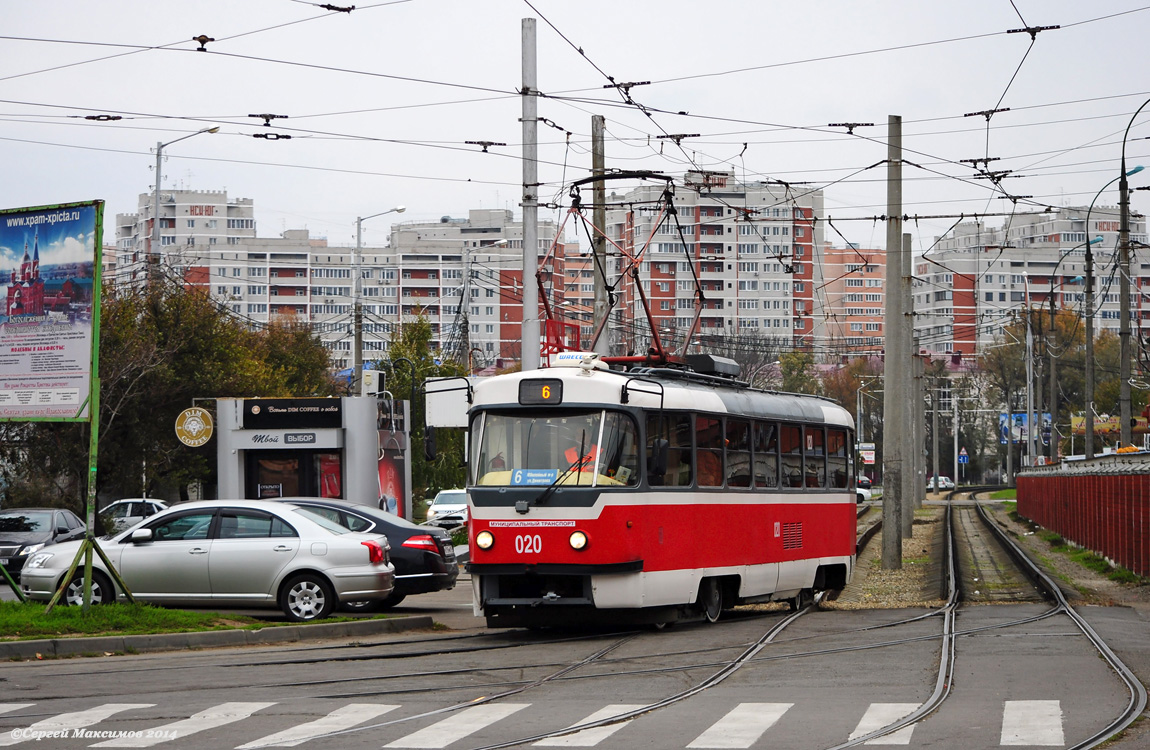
(423, 556)
(25, 531)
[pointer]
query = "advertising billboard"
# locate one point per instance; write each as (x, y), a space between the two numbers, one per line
(1020, 428)
(49, 289)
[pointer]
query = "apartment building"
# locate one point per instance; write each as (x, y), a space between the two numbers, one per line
(970, 283)
(853, 299)
(464, 275)
(749, 248)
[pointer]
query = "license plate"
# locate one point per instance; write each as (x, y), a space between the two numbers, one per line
(3, 560)
(449, 548)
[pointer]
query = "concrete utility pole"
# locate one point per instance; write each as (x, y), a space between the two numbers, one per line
(936, 402)
(1030, 420)
(1052, 402)
(896, 392)
(529, 356)
(954, 429)
(1124, 305)
(599, 243)
(914, 439)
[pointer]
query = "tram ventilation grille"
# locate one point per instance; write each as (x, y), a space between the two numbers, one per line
(792, 535)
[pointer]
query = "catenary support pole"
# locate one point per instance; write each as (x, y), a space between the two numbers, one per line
(530, 346)
(896, 393)
(599, 242)
(914, 439)
(936, 404)
(1125, 413)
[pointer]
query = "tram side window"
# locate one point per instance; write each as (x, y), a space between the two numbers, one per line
(674, 432)
(815, 457)
(738, 453)
(766, 454)
(838, 459)
(791, 447)
(709, 451)
(619, 459)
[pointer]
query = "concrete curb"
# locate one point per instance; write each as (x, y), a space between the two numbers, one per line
(100, 645)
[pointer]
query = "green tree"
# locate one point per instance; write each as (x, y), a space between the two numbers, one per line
(411, 356)
(799, 374)
(160, 350)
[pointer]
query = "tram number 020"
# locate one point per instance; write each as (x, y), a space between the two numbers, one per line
(528, 544)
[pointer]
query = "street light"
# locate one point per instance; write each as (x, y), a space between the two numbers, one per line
(154, 251)
(357, 345)
(1052, 403)
(1124, 287)
(1088, 313)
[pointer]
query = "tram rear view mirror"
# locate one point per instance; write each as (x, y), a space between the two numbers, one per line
(429, 448)
(660, 450)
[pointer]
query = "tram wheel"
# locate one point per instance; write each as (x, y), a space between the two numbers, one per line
(711, 599)
(804, 599)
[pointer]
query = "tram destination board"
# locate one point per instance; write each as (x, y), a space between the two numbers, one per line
(541, 391)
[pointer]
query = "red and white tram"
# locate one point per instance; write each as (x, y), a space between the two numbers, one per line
(652, 495)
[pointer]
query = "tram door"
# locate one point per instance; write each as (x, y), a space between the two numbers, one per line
(294, 473)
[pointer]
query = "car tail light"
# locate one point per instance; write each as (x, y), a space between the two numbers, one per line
(422, 541)
(376, 552)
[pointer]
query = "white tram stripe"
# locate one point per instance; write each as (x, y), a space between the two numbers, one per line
(340, 719)
(69, 721)
(879, 715)
(593, 735)
(457, 726)
(742, 727)
(6, 707)
(217, 716)
(1032, 723)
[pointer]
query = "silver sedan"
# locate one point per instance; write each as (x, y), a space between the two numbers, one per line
(250, 553)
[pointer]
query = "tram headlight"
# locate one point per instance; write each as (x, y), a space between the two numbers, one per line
(484, 540)
(578, 540)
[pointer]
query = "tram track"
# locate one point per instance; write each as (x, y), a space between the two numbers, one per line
(983, 559)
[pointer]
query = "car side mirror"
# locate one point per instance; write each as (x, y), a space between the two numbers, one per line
(139, 536)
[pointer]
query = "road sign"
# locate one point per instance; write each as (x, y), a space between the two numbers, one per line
(962, 452)
(963, 459)
(867, 457)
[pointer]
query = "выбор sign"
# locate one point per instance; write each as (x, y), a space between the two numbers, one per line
(47, 282)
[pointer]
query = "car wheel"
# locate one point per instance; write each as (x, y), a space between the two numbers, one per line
(711, 599)
(392, 600)
(368, 605)
(307, 597)
(102, 591)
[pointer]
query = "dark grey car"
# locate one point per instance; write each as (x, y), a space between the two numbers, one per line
(25, 531)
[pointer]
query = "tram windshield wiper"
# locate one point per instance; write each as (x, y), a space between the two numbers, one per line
(522, 506)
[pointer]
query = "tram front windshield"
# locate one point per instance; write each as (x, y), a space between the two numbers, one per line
(587, 448)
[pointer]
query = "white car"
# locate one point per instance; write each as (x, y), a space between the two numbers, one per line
(126, 513)
(943, 483)
(449, 508)
(248, 553)
(862, 494)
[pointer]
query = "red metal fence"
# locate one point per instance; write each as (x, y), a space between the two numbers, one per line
(1108, 514)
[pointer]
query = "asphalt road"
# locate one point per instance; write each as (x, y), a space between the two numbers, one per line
(826, 678)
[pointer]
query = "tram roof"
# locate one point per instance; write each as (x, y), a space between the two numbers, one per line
(669, 389)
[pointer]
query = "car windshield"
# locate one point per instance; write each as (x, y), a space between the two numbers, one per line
(589, 447)
(458, 497)
(23, 521)
(320, 518)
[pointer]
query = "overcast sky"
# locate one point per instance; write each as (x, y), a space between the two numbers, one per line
(380, 102)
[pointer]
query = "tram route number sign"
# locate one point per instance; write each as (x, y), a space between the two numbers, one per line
(540, 391)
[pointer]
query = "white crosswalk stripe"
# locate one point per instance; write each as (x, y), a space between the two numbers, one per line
(457, 726)
(68, 722)
(592, 736)
(879, 715)
(1036, 723)
(342, 718)
(742, 727)
(6, 707)
(217, 716)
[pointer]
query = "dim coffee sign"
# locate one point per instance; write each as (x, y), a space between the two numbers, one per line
(291, 413)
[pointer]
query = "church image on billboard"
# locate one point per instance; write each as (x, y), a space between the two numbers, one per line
(63, 292)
